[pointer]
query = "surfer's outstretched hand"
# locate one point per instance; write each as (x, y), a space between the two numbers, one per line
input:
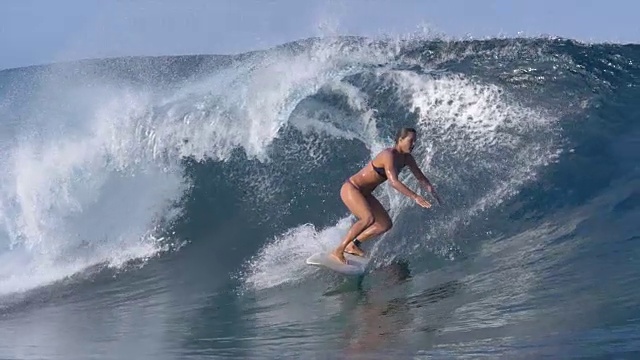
(422, 202)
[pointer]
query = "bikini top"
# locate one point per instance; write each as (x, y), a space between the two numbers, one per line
(381, 172)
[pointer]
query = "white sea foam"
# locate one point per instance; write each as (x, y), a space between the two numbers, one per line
(486, 145)
(96, 164)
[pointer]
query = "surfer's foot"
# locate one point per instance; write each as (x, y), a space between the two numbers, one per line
(339, 255)
(353, 250)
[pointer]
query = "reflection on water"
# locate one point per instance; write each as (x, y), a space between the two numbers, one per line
(382, 318)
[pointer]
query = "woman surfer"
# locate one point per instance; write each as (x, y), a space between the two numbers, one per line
(356, 192)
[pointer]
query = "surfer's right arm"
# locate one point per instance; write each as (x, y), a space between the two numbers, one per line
(422, 179)
(392, 177)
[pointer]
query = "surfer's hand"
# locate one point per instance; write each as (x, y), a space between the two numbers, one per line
(422, 202)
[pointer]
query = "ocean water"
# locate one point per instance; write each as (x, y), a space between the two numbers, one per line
(163, 207)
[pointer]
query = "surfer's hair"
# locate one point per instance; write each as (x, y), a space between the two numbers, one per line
(403, 132)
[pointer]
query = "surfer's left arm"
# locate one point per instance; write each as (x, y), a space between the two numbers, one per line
(422, 179)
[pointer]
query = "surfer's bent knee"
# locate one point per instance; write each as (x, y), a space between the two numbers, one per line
(368, 220)
(384, 227)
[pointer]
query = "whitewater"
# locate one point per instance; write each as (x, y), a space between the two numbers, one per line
(163, 207)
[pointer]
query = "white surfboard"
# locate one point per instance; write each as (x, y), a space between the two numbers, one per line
(355, 265)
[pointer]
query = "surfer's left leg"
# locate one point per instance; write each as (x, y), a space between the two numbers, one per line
(357, 203)
(382, 223)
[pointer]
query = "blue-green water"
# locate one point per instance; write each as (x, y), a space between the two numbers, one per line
(163, 207)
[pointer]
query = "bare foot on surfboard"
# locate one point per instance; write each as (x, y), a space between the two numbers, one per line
(339, 255)
(353, 250)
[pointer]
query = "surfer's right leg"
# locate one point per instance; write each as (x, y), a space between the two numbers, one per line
(382, 223)
(357, 203)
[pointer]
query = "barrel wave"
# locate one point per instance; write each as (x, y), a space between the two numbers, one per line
(163, 207)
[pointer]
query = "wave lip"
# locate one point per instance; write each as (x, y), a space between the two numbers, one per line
(96, 170)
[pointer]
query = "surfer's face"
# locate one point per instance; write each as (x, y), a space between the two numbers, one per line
(407, 143)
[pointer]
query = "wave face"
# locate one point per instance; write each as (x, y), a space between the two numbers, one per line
(199, 184)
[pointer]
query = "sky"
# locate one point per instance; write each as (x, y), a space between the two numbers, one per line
(44, 31)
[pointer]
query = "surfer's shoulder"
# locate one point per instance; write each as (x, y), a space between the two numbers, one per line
(386, 155)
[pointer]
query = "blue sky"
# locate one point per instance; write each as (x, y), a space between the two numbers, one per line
(42, 31)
